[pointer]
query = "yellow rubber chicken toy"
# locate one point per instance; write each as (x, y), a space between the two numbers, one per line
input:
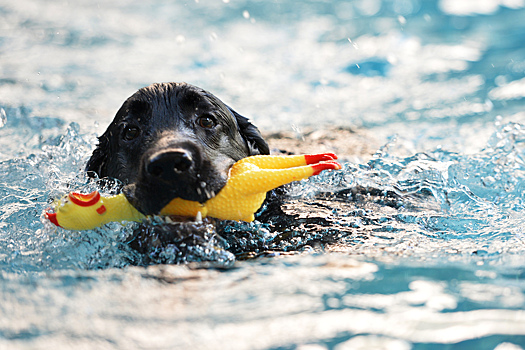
(245, 191)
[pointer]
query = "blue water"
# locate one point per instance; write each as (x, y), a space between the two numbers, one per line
(430, 255)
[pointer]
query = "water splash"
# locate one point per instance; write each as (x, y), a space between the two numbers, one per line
(432, 204)
(436, 204)
(29, 243)
(28, 186)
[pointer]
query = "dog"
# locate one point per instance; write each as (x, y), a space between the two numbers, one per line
(173, 140)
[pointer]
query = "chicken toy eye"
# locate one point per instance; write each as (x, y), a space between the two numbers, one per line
(130, 132)
(206, 122)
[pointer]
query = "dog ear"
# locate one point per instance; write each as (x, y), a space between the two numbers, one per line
(251, 135)
(100, 161)
(97, 164)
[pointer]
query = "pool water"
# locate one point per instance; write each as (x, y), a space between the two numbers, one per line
(419, 245)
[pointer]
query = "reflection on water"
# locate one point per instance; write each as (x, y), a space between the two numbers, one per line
(419, 246)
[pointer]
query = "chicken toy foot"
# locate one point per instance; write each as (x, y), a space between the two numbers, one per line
(245, 191)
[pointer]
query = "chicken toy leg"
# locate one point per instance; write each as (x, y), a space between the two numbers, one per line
(245, 191)
(249, 180)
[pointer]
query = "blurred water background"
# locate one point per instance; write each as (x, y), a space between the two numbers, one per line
(432, 257)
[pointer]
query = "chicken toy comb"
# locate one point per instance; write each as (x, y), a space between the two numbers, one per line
(245, 191)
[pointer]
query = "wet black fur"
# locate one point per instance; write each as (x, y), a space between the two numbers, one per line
(165, 118)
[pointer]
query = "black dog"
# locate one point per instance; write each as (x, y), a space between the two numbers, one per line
(173, 140)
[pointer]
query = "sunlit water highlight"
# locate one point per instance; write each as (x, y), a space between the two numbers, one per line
(421, 246)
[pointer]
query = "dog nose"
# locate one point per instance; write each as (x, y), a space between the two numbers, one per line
(169, 164)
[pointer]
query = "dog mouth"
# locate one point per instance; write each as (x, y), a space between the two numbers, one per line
(174, 172)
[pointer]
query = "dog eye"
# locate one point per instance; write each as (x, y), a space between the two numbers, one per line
(206, 122)
(131, 132)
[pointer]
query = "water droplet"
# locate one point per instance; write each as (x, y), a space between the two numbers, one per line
(489, 181)
(353, 44)
(180, 39)
(3, 117)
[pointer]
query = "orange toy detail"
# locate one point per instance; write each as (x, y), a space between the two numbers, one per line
(245, 191)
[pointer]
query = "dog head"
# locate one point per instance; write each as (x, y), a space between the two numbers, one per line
(173, 140)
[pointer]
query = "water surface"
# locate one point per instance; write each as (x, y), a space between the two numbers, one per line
(417, 246)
